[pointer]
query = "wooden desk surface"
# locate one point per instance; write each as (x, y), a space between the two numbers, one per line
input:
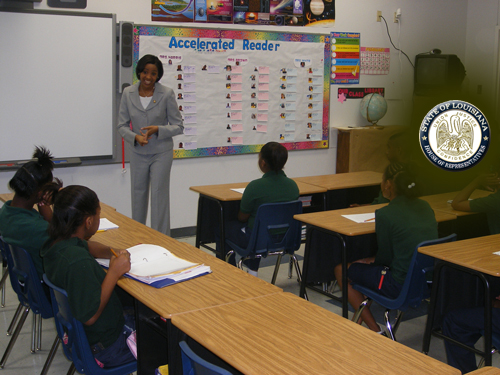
(224, 193)
(474, 253)
(343, 180)
(285, 334)
(225, 284)
(486, 370)
(439, 202)
(335, 222)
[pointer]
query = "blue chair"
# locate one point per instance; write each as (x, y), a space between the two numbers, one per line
(415, 288)
(275, 232)
(75, 344)
(192, 364)
(27, 285)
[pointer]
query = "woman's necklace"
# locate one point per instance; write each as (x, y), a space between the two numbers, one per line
(150, 93)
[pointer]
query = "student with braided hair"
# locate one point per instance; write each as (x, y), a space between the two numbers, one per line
(20, 223)
(400, 226)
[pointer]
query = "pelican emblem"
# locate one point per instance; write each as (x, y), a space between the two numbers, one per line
(455, 137)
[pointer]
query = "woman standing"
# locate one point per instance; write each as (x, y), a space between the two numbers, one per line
(148, 119)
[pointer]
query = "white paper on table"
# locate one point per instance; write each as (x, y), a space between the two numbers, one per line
(361, 218)
(240, 190)
(105, 224)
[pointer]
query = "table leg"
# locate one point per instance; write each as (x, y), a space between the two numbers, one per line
(432, 306)
(305, 268)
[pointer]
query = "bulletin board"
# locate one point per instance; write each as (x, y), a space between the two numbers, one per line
(238, 90)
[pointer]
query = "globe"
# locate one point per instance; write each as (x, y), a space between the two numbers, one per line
(373, 107)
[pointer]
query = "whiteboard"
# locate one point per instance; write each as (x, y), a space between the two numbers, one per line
(238, 90)
(58, 84)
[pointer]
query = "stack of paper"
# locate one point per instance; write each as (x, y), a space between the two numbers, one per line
(158, 267)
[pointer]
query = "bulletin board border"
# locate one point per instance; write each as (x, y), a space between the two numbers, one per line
(188, 32)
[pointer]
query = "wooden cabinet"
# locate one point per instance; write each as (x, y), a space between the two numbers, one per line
(363, 148)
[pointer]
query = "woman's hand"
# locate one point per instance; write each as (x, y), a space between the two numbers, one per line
(149, 130)
(141, 139)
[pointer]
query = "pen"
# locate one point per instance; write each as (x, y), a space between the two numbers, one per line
(101, 230)
(369, 219)
(114, 253)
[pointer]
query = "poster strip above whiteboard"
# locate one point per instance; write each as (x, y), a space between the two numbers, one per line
(238, 90)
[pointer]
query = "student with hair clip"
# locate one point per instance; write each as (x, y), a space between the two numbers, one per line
(148, 118)
(274, 186)
(20, 223)
(69, 264)
(400, 226)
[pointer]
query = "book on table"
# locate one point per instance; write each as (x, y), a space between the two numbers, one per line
(156, 266)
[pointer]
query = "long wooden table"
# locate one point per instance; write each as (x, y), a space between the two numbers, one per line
(332, 222)
(344, 189)
(284, 334)
(225, 202)
(475, 256)
(226, 284)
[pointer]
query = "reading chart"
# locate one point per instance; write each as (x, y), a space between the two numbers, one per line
(238, 90)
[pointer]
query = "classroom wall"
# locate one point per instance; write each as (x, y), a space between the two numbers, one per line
(425, 24)
(481, 58)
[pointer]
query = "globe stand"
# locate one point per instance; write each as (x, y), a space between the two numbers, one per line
(374, 125)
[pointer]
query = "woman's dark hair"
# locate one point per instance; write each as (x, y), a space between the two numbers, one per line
(149, 59)
(404, 179)
(35, 175)
(71, 206)
(275, 155)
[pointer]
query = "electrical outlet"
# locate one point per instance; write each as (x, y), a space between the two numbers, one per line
(397, 15)
(379, 14)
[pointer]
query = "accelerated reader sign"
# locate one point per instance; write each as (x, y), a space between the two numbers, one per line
(454, 135)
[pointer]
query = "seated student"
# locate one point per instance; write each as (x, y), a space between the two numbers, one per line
(489, 205)
(467, 324)
(273, 187)
(400, 226)
(69, 263)
(20, 223)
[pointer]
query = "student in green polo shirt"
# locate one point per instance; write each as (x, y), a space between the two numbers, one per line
(69, 264)
(489, 205)
(20, 223)
(274, 186)
(400, 226)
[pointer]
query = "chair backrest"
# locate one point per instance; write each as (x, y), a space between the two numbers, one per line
(26, 282)
(275, 229)
(415, 287)
(192, 364)
(74, 339)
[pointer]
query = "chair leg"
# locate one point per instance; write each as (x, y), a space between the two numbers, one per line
(33, 333)
(299, 274)
(2, 284)
(360, 309)
(483, 360)
(276, 269)
(290, 267)
(71, 369)
(388, 325)
(14, 319)
(14, 337)
(397, 322)
(51, 356)
(228, 255)
(240, 263)
(39, 333)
